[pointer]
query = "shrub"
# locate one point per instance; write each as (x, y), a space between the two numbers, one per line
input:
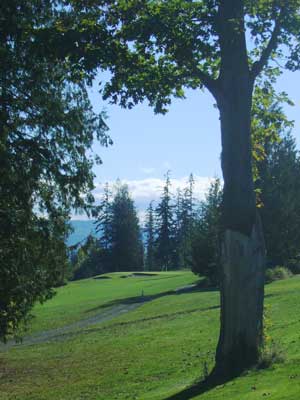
(294, 266)
(277, 273)
(270, 354)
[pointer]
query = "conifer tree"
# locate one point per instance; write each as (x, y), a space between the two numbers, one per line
(104, 219)
(280, 198)
(178, 229)
(206, 236)
(126, 245)
(184, 221)
(165, 251)
(187, 221)
(150, 238)
(90, 259)
(47, 129)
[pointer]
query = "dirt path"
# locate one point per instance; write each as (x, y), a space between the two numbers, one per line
(68, 330)
(72, 329)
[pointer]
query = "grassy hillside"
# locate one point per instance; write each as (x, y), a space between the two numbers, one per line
(152, 352)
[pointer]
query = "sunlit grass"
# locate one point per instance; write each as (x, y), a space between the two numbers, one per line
(149, 353)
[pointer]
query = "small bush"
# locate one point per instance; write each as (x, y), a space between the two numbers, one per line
(294, 266)
(271, 353)
(276, 274)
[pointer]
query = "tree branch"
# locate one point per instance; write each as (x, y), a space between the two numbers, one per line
(211, 84)
(266, 53)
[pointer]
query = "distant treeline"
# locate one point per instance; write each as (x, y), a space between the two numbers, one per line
(161, 242)
(182, 232)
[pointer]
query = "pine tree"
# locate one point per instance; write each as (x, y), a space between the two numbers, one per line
(150, 238)
(104, 219)
(185, 217)
(165, 251)
(47, 130)
(206, 237)
(126, 250)
(280, 195)
(189, 195)
(178, 229)
(90, 259)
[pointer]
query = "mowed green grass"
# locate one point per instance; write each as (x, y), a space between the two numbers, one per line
(82, 299)
(149, 353)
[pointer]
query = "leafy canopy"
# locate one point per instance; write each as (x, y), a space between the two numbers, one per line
(47, 128)
(155, 49)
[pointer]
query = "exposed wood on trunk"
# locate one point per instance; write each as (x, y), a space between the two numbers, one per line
(242, 293)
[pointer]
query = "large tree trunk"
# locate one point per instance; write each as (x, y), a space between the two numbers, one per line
(241, 300)
(243, 250)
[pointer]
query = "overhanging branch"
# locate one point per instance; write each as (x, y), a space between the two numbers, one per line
(267, 51)
(210, 83)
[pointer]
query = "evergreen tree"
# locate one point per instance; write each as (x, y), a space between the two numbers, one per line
(120, 246)
(104, 219)
(90, 259)
(150, 238)
(47, 129)
(126, 245)
(206, 236)
(280, 197)
(165, 249)
(189, 194)
(186, 223)
(104, 228)
(178, 230)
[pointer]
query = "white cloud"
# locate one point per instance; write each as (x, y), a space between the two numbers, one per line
(145, 190)
(147, 170)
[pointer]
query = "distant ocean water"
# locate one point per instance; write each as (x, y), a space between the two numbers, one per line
(84, 228)
(81, 230)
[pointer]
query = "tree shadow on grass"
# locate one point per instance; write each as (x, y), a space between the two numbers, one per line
(198, 388)
(142, 298)
(129, 300)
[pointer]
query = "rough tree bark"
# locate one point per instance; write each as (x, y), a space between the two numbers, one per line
(243, 250)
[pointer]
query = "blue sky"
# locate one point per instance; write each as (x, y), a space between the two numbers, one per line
(185, 140)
